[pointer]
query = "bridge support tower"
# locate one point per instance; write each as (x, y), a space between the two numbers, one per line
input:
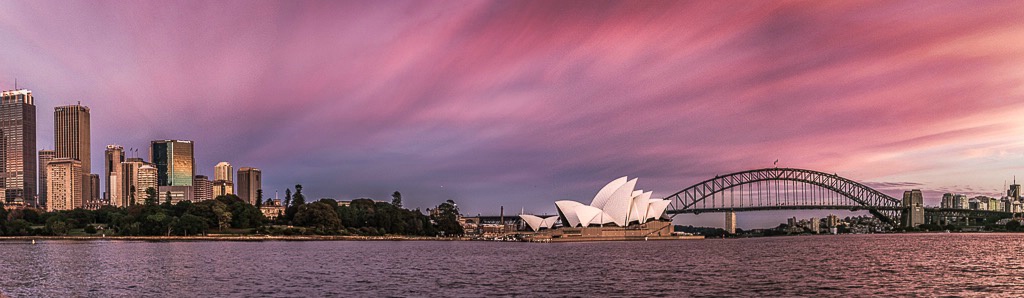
(730, 222)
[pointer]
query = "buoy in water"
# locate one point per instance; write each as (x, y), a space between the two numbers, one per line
(33, 241)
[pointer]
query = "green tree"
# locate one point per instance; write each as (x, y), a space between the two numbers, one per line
(18, 227)
(319, 216)
(396, 199)
(167, 198)
(245, 216)
(189, 224)
(259, 198)
(1013, 226)
(151, 198)
(56, 225)
(298, 198)
(131, 196)
(287, 197)
(446, 218)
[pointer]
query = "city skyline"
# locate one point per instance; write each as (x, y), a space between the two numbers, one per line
(490, 104)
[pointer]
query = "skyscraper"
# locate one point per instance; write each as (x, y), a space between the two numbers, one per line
(94, 187)
(45, 156)
(175, 162)
(223, 183)
(147, 179)
(203, 188)
(249, 181)
(71, 140)
(113, 157)
(130, 186)
(223, 171)
(18, 134)
(64, 176)
(222, 188)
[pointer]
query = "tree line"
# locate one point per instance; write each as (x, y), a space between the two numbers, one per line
(231, 214)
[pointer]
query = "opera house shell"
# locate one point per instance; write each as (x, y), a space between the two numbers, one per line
(618, 203)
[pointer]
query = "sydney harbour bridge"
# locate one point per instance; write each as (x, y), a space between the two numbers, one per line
(800, 189)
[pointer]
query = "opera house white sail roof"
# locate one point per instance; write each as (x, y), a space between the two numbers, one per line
(618, 202)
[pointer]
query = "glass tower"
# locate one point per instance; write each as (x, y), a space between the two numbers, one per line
(18, 136)
(175, 162)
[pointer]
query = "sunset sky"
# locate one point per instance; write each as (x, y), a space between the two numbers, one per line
(519, 103)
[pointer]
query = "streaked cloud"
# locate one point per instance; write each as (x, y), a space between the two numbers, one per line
(522, 103)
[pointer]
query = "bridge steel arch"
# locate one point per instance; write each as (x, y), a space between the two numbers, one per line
(882, 206)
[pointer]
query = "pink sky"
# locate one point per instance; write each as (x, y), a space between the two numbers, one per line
(524, 103)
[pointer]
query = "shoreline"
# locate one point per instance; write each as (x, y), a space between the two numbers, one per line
(242, 238)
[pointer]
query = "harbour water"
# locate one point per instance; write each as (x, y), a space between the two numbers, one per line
(848, 265)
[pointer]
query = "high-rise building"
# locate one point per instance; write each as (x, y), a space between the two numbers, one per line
(1014, 191)
(94, 187)
(961, 202)
(914, 204)
(832, 221)
(64, 176)
(730, 222)
(249, 181)
(177, 193)
(45, 156)
(113, 157)
(223, 171)
(947, 201)
(175, 162)
(223, 182)
(815, 225)
(130, 181)
(147, 179)
(222, 188)
(71, 140)
(203, 188)
(18, 135)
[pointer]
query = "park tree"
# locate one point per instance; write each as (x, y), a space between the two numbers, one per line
(167, 199)
(259, 198)
(189, 224)
(446, 218)
(319, 216)
(298, 198)
(131, 196)
(151, 198)
(396, 199)
(287, 197)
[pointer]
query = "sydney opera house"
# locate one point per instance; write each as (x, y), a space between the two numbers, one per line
(618, 209)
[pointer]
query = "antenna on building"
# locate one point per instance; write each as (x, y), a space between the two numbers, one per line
(15, 83)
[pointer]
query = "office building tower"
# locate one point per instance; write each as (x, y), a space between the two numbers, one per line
(914, 204)
(947, 201)
(223, 171)
(249, 181)
(730, 222)
(177, 193)
(18, 136)
(45, 156)
(202, 188)
(1014, 191)
(113, 157)
(832, 221)
(961, 202)
(94, 187)
(130, 181)
(147, 179)
(175, 162)
(64, 178)
(815, 225)
(222, 188)
(71, 140)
